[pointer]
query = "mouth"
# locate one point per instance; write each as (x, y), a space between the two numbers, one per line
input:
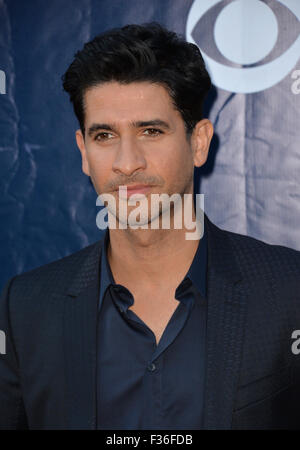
(136, 189)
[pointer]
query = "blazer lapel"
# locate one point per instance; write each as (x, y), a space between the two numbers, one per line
(226, 296)
(80, 342)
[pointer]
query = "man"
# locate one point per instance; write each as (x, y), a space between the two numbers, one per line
(146, 329)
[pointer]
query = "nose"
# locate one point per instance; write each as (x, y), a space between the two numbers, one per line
(129, 157)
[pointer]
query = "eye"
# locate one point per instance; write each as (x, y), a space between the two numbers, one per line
(153, 132)
(103, 136)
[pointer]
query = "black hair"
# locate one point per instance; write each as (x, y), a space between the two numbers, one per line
(137, 53)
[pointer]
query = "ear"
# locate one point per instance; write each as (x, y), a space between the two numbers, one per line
(200, 139)
(81, 146)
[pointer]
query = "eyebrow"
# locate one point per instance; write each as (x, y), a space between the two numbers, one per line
(138, 124)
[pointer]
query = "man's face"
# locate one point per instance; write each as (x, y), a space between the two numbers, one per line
(135, 136)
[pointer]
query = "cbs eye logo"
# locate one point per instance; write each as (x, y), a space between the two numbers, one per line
(247, 45)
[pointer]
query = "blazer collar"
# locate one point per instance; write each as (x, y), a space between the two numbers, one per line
(88, 267)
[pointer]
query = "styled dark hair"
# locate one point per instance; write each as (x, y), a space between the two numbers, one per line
(136, 53)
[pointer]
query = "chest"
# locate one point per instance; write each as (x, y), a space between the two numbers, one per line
(155, 312)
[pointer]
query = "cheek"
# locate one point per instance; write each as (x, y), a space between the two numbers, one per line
(177, 160)
(100, 168)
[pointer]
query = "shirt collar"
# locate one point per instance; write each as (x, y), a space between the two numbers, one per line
(196, 272)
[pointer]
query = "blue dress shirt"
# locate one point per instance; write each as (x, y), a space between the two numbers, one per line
(142, 385)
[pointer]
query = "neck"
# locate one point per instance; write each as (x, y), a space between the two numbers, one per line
(150, 257)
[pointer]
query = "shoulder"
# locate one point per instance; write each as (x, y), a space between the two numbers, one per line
(56, 275)
(260, 259)
(256, 257)
(256, 249)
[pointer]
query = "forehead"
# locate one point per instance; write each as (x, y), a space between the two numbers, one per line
(113, 101)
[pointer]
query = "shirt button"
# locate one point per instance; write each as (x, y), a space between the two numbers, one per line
(151, 367)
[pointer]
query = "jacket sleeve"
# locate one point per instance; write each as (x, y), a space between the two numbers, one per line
(12, 412)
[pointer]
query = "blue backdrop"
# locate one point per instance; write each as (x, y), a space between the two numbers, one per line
(251, 181)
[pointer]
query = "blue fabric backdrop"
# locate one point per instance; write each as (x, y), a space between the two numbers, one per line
(251, 181)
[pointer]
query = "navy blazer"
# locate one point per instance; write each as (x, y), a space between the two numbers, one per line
(49, 316)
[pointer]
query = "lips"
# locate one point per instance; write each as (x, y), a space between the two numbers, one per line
(133, 189)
